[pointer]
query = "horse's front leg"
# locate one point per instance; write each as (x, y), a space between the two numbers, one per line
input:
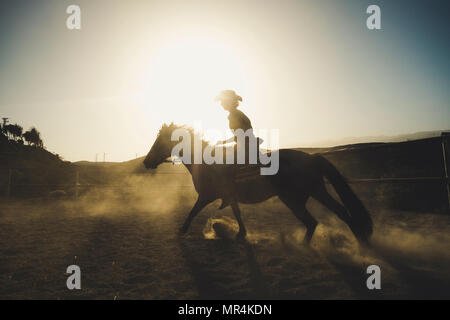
(237, 213)
(198, 206)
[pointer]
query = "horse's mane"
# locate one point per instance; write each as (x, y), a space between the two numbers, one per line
(169, 128)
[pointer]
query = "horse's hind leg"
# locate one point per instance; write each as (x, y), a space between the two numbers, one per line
(237, 214)
(298, 208)
(332, 204)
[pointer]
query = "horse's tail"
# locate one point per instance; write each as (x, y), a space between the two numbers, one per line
(360, 221)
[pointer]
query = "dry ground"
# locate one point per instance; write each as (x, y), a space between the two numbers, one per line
(127, 247)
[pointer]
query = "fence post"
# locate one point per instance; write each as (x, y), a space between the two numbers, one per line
(8, 190)
(445, 136)
(77, 178)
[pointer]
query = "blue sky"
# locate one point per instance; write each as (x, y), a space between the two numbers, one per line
(308, 68)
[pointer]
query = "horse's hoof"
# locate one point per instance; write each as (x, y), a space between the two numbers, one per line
(364, 246)
(241, 236)
(306, 242)
(183, 230)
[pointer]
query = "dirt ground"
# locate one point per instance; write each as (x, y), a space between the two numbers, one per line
(128, 247)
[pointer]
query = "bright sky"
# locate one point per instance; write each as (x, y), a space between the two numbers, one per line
(308, 68)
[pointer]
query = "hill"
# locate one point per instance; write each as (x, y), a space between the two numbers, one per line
(94, 164)
(16, 155)
(380, 139)
(36, 171)
(31, 170)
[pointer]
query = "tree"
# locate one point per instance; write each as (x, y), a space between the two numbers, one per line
(8, 130)
(40, 143)
(33, 137)
(3, 137)
(2, 133)
(15, 130)
(28, 137)
(3, 126)
(19, 131)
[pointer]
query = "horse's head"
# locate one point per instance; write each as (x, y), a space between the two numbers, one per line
(162, 148)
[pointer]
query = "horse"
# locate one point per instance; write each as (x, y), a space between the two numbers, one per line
(300, 176)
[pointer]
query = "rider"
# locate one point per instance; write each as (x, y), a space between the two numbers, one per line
(237, 120)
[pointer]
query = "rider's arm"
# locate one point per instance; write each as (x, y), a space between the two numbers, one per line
(231, 139)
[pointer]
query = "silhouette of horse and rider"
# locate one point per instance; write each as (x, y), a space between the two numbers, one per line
(300, 176)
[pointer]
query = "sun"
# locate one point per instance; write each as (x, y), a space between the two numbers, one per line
(185, 75)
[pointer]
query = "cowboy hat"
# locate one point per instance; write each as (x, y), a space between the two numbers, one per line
(227, 95)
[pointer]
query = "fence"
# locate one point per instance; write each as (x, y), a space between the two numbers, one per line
(445, 155)
(445, 179)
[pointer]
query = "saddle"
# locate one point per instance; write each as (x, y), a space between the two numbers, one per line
(246, 172)
(242, 174)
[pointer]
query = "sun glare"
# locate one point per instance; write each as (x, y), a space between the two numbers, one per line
(185, 75)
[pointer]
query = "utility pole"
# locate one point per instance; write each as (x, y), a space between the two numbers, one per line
(445, 136)
(104, 156)
(77, 183)
(8, 190)
(5, 121)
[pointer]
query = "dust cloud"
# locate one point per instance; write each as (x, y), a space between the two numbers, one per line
(125, 239)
